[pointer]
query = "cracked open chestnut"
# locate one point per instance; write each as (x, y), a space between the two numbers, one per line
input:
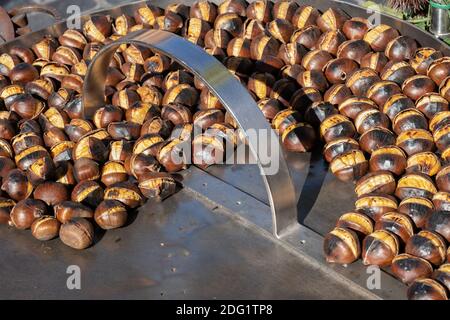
(374, 205)
(379, 248)
(341, 246)
(299, 137)
(427, 245)
(369, 119)
(417, 208)
(409, 119)
(68, 210)
(415, 140)
(381, 91)
(422, 59)
(332, 19)
(376, 182)
(337, 70)
(339, 146)
(157, 185)
(397, 223)
(349, 166)
(45, 228)
(376, 138)
(375, 61)
(388, 158)
(418, 85)
(439, 221)
(316, 59)
(77, 233)
(361, 80)
(26, 211)
(426, 289)
(355, 28)
(379, 36)
(110, 214)
(126, 192)
(358, 222)
(424, 162)
(408, 268)
(337, 93)
(415, 185)
(87, 192)
(336, 126)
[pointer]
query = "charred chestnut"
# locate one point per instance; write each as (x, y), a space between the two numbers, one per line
(417, 208)
(352, 106)
(381, 91)
(415, 185)
(422, 59)
(409, 119)
(379, 248)
(369, 119)
(341, 246)
(361, 80)
(355, 28)
(397, 223)
(379, 36)
(87, 192)
(388, 158)
(316, 60)
(375, 205)
(408, 268)
(416, 86)
(339, 146)
(376, 182)
(426, 289)
(336, 126)
(376, 138)
(427, 245)
(349, 166)
(337, 70)
(439, 221)
(424, 162)
(375, 61)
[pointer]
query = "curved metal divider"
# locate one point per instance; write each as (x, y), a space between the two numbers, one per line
(229, 91)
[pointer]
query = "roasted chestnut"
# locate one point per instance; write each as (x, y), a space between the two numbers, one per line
(91, 148)
(86, 169)
(337, 93)
(307, 37)
(376, 138)
(318, 112)
(375, 205)
(125, 192)
(6, 206)
(68, 210)
(439, 121)
(409, 119)
(336, 126)
(341, 246)
(357, 222)
(284, 9)
(203, 10)
(17, 185)
(51, 192)
(401, 48)
(316, 59)
(376, 182)
(427, 245)
(395, 104)
(417, 86)
(263, 46)
(353, 49)
(150, 143)
(422, 59)
(172, 155)
(349, 166)
(379, 248)
(330, 41)
(415, 141)
(110, 214)
(332, 19)
(415, 185)
(26, 211)
(269, 108)
(298, 137)
(77, 233)
(417, 208)
(439, 69)
(305, 16)
(45, 228)
(285, 118)
(355, 28)
(439, 221)
(261, 84)
(379, 36)
(442, 275)
(337, 70)
(426, 289)
(381, 91)
(87, 192)
(369, 119)
(159, 185)
(388, 158)
(424, 162)
(408, 268)
(280, 29)
(397, 223)
(397, 72)
(283, 90)
(339, 146)
(361, 80)
(375, 61)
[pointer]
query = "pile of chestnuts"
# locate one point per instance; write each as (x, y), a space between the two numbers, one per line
(378, 101)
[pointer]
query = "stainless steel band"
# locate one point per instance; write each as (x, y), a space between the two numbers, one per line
(229, 91)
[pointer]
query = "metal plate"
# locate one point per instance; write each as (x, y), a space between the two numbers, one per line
(206, 241)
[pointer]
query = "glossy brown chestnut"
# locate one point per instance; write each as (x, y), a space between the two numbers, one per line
(361, 80)
(91, 148)
(409, 119)
(269, 108)
(332, 19)
(125, 192)
(27, 107)
(203, 10)
(442, 275)
(286, 118)
(439, 121)
(230, 22)
(379, 36)
(426, 289)
(352, 106)
(375, 61)
(395, 104)
(17, 185)
(261, 84)
(87, 192)
(313, 79)
(355, 28)
(51, 192)
(427, 245)
(77, 128)
(307, 36)
(388, 158)
(263, 45)
(77, 233)
(376, 182)
(106, 115)
(336, 126)
(284, 9)
(305, 16)
(349, 166)
(401, 48)
(379, 248)
(439, 221)
(260, 10)
(318, 112)
(424, 162)
(408, 268)
(381, 91)
(26, 211)
(358, 222)
(339, 146)
(45, 228)
(151, 143)
(291, 53)
(157, 185)
(111, 214)
(397, 223)
(337, 70)
(397, 72)
(422, 59)
(280, 29)
(439, 69)
(376, 138)
(86, 169)
(337, 93)
(341, 246)
(283, 90)
(298, 137)
(330, 41)
(172, 155)
(68, 210)
(369, 119)
(120, 150)
(353, 49)
(415, 185)
(375, 205)
(417, 208)
(415, 141)
(418, 85)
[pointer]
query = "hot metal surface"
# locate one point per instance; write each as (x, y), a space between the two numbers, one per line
(205, 242)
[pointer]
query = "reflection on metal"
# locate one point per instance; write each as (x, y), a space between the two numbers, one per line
(229, 91)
